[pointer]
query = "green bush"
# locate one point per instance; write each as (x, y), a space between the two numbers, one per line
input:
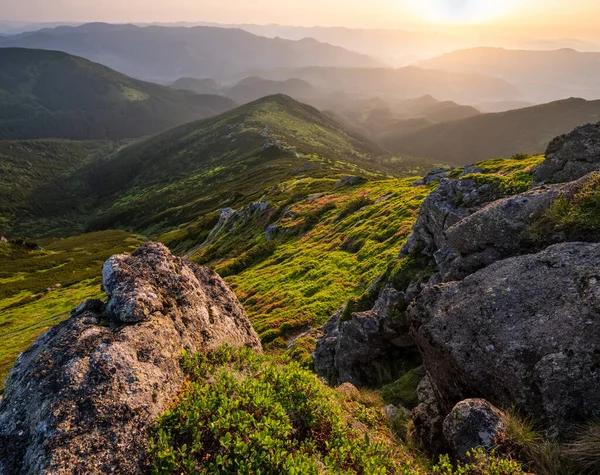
(245, 413)
(480, 463)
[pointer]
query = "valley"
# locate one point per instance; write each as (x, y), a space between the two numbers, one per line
(232, 248)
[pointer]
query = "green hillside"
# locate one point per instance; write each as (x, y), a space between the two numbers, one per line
(154, 185)
(171, 187)
(53, 94)
(29, 167)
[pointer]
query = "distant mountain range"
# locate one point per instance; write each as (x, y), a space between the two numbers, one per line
(541, 76)
(499, 135)
(163, 54)
(402, 83)
(54, 94)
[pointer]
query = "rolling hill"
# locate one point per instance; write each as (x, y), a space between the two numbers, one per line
(163, 54)
(53, 94)
(403, 83)
(172, 178)
(497, 135)
(542, 76)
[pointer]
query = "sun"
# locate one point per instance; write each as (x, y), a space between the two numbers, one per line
(461, 12)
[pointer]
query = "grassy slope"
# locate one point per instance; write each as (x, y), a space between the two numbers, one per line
(39, 287)
(53, 94)
(28, 166)
(168, 180)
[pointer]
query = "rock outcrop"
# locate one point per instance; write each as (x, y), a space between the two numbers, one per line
(571, 156)
(370, 348)
(82, 398)
(523, 331)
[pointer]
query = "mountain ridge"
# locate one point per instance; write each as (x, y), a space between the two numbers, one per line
(54, 94)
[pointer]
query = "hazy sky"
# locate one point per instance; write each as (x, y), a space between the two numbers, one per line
(558, 17)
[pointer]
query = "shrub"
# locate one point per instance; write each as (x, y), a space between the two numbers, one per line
(245, 413)
(481, 463)
(353, 206)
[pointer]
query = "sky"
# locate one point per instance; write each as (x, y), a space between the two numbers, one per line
(572, 18)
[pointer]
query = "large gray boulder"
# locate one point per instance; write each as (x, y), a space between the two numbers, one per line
(82, 398)
(571, 156)
(523, 331)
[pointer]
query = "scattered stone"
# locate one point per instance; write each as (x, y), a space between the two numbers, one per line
(258, 207)
(473, 424)
(82, 398)
(3, 239)
(433, 176)
(307, 167)
(428, 418)
(271, 231)
(350, 180)
(571, 156)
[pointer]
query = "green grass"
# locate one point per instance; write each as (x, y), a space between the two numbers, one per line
(314, 269)
(39, 288)
(575, 218)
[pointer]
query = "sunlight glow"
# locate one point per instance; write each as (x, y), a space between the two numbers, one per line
(461, 12)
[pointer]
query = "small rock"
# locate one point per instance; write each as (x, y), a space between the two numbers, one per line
(350, 180)
(473, 423)
(433, 176)
(349, 391)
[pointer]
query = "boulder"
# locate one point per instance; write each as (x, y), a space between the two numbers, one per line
(350, 180)
(433, 176)
(82, 398)
(453, 201)
(571, 156)
(499, 230)
(472, 424)
(523, 331)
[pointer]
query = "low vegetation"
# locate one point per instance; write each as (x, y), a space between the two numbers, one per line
(575, 218)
